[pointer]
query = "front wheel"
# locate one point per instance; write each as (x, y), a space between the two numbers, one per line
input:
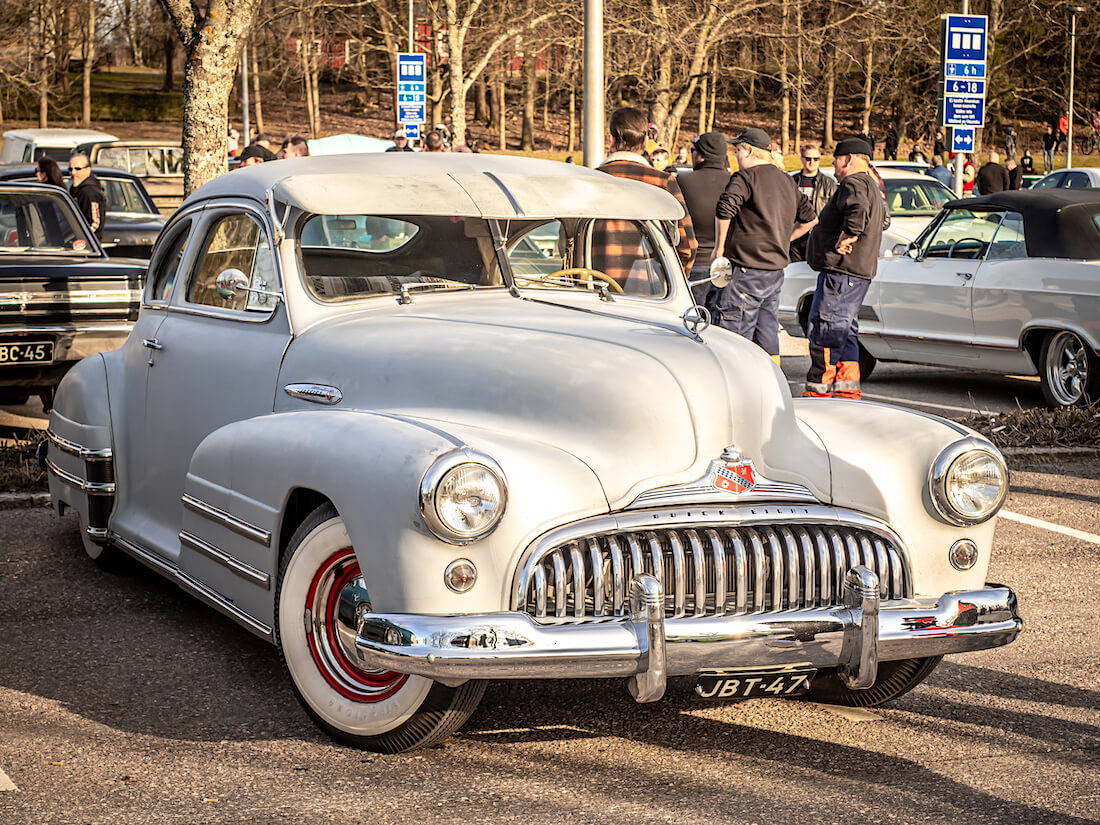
(320, 597)
(1068, 372)
(894, 680)
(1088, 144)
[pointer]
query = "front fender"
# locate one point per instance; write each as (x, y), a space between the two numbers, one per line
(880, 457)
(370, 466)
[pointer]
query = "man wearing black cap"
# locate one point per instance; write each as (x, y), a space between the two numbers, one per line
(844, 249)
(701, 189)
(758, 215)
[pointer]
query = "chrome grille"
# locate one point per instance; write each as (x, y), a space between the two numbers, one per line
(709, 570)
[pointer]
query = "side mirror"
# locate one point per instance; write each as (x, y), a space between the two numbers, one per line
(899, 249)
(232, 281)
(721, 273)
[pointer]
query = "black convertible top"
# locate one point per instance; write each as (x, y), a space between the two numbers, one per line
(1058, 223)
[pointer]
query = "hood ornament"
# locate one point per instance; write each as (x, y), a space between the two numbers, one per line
(696, 319)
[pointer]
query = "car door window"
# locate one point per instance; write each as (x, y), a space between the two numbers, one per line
(166, 265)
(139, 162)
(235, 241)
(1050, 181)
(537, 251)
(1076, 180)
(1008, 242)
(962, 234)
(115, 158)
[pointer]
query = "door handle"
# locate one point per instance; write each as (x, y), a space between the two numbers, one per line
(966, 276)
(152, 343)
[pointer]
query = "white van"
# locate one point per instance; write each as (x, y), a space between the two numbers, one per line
(28, 145)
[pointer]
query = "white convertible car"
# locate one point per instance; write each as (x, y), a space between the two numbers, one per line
(1008, 283)
(426, 420)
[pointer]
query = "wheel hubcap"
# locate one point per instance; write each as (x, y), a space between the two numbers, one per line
(1067, 368)
(337, 599)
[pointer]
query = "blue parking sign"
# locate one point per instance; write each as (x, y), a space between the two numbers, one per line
(411, 68)
(966, 37)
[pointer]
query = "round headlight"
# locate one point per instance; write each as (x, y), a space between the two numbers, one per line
(969, 482)
(462, 497)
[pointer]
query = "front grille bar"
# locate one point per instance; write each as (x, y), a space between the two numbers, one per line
(710, 571)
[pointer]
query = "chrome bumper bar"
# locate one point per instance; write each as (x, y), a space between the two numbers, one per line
(647, 649)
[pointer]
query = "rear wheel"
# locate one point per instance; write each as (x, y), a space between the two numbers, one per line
(894, 680)
(320, 597)
(104, 554)
(1068, 373)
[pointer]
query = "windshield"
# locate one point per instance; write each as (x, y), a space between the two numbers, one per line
(41, 222)
(909, 198)
(354, 256)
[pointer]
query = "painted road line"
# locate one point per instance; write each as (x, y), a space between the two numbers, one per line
(1054, 528)
(5, 783)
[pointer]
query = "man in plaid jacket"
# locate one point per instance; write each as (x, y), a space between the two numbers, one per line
(617, 245)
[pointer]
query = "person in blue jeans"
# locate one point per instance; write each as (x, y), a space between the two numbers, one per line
(758, 215)
(843, 249)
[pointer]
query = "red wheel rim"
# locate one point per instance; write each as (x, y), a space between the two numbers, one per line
(336, 598)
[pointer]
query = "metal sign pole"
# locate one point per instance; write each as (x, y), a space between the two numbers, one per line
(593, 83)
(1072, 64)
(959, 155)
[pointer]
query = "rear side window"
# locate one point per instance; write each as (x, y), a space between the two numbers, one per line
(169, 257)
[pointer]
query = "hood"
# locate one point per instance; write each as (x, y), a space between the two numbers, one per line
(641, 405)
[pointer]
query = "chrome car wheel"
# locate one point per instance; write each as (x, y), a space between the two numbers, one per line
(1065, 370)
(320, 598)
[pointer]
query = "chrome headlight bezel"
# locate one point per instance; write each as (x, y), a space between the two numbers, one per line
(429, 494)
(940, 475)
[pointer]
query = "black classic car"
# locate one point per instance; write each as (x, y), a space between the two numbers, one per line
(133, 221)
(61, 297)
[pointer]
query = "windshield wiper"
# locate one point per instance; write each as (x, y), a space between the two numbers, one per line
(427, 286)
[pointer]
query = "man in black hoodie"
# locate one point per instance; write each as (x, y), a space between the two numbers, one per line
(87, 191)
(701, 189)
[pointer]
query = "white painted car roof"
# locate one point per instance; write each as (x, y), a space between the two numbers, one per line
(421, 183)
(58, 137)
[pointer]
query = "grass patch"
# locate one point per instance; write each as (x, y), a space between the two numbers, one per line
(19, 470)
(1039, 427)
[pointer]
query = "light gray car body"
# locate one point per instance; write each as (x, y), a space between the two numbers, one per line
(184, 448)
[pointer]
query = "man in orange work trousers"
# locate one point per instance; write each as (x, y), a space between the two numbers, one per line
(843, 249)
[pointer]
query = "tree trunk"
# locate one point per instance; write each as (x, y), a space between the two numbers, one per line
(830, 98)
(713, 104)
(491, 97)
(89, 60)
(502, 106)
(703, 102)
(530, 82)
(481, 104)
(572, 117)
(546, 100)
(784, 83)
(169, 43)
(801, 64)
(868, 63)
(389, 40)
(257, 104)
(307, 85)
(43, 67)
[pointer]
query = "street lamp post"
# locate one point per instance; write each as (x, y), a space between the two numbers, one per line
(1073, 10)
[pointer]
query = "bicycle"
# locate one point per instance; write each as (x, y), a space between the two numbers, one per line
(1090, 141)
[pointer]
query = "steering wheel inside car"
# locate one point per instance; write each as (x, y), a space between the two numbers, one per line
(580, 274)
(980, 246)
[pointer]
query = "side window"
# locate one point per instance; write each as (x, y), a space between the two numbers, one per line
(538, 251)
(1008, 243)
(1076, 180)
(1050, 181)
(173, 162)
(234, 242)
(169, 257)
(624, 252)
(115, 158)
(138, 161)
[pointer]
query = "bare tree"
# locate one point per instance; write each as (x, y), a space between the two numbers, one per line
(212, 42)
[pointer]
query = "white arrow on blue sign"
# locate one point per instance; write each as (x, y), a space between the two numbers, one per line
(962, 140)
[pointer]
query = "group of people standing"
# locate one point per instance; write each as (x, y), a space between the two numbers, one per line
(755, 217)
(86, 189)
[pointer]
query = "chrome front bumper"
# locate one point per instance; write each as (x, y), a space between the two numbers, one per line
(647, 649)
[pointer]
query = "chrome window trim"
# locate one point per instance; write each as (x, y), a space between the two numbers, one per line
(79, 450)
(245, 571)
(700, 518)
(237, 525)
(92, 488)
(192, 214)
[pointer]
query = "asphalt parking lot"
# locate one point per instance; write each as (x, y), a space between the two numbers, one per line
(122, 701)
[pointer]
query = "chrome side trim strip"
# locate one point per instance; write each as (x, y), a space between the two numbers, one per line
(193, 586)
(63, 329)
(239, 526)
(245, 571)
(92, 488)
(79, 450)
